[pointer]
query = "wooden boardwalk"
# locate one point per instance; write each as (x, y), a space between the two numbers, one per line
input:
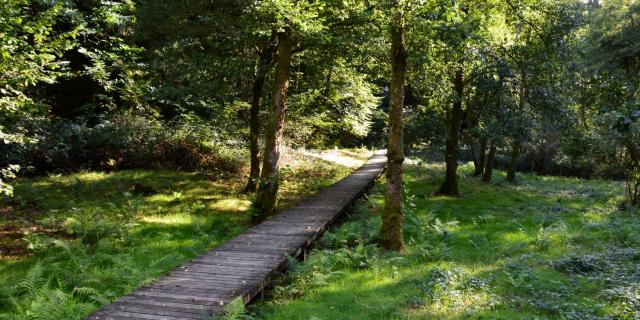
(245, 265)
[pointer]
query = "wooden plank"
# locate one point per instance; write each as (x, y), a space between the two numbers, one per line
(205, 293)
(203, 283)
(166, 304)
(126, 312)
(137, 311)
(230, 265)
(182, 298)
(218, 274)
(233, 254)
(127, 307)
(195, 287)
(241, 257)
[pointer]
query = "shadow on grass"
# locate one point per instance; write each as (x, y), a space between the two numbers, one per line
(543, 248)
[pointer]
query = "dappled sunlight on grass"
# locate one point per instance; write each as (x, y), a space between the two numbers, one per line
(169, 219)
(347, 158)
(546, 247)
(231, 205)
(112, 232)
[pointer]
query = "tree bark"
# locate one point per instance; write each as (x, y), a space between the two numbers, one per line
(254, 121)
(266, 198)
(392, 215)
(482, 156)
(488, 167)
(633, 172)
(450, 184)
(519, 135)
(474, 155)
(513, 163)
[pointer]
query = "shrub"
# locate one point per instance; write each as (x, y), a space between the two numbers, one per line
(124, 142)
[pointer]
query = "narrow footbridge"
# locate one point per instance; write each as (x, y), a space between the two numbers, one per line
(242, 267)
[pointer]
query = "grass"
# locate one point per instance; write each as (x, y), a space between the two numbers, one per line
(71, 243)
(545, 248)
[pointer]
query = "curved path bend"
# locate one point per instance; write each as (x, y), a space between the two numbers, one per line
(243, 266)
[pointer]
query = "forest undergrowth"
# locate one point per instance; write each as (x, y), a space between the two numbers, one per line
(71, 243)
(544, 248)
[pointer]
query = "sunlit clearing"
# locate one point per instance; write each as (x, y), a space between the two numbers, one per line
(236, 205)
(169, 219)
(340, 157)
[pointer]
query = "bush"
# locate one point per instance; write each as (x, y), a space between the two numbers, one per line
(123, 142)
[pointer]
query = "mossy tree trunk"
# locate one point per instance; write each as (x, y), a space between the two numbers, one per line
(392, 215)
(267, 194)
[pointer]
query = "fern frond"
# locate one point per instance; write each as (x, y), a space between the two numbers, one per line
(34, 280)
(89, 294)
(234, 310)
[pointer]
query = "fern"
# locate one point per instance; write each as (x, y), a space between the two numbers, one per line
(235, 310)
(33, 281)
(168, 261)
(52, 304)
(89, 294)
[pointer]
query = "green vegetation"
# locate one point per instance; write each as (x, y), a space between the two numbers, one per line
(547, 247)
(71, 243)
(135, 134)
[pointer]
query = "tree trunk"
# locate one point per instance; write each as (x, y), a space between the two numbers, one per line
(482, 156)
(519, 135)
(450, 184)
(254, 121)
(488, 166)
(392, 215)
(267, 195)
(474, 155)
(633, 172)
(513, 163)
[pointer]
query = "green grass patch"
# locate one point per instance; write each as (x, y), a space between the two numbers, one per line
(71, 243)
(544, 248)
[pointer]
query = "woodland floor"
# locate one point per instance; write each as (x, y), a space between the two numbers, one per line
(545, 248)
(70, 243)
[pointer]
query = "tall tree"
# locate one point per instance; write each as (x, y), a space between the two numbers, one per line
(482, 157)
(267, 196)
(539, 30)
(450, 184)
(392, 215)
(459, 48)
(519, 133)
(265, 57)
(298, 24)
(32, 47)
(488, 167)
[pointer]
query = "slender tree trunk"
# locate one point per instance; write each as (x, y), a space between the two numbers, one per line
(254, 121)
(482, 156)
(488, 167)
(513, 163)
(474, 155)
(392, 215)
(517, 140)
(267, 195)
(450, 184)
(633, 178)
